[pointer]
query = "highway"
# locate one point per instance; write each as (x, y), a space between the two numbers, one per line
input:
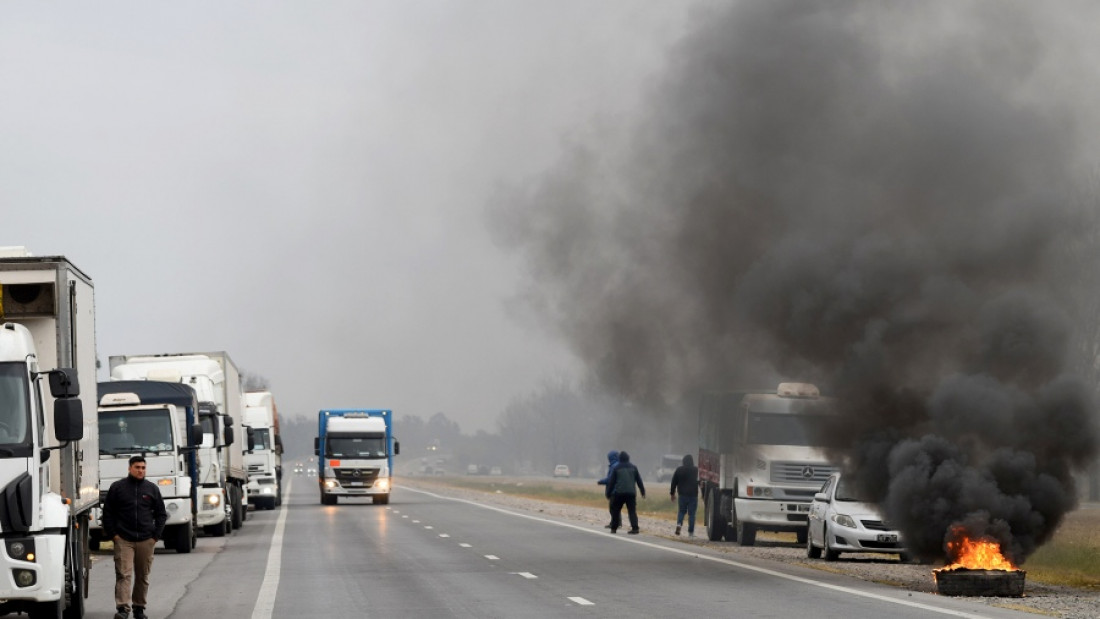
(428, 555)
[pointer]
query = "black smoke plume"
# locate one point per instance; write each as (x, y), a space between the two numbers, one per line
(875, 198)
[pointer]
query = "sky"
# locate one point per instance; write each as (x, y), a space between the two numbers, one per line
(305, 185)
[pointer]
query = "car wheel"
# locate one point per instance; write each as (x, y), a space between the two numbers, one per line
(830, 554)
(905, 557)
(812, 552)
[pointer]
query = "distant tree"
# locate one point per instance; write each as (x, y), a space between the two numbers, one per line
(254, 382)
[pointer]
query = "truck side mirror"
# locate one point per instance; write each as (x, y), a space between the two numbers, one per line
(316, 445)
(251, 439)
(227, 436)
(63, 383)
(196, 434)
(396, 448)
(68, 419)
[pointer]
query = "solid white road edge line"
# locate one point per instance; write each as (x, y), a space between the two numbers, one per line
(265, 603)
(689, 553)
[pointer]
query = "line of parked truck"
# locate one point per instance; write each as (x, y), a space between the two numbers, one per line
(212, 448)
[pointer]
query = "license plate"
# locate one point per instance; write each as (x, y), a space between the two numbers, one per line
(355, 483)
(888, 538)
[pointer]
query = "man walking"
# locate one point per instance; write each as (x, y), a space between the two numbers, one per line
(686, 481)
(620, 489)
(612, 462)
(133, 517)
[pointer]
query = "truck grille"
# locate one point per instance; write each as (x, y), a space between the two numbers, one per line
(255, 468)
(801, 473)
(367, 476)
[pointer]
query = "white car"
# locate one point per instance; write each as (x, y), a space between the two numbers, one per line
(841, 522)
(561, 470)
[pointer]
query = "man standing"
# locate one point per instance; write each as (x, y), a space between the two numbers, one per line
(612, 462)
(133, 518)
(686, 481)
(620, 489)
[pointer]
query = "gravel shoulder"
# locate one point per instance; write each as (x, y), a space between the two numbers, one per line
(1040, 599)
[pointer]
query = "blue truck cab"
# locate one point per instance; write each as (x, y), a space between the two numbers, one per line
(355, 450)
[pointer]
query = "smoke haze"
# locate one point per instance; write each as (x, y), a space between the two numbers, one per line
(873, 198)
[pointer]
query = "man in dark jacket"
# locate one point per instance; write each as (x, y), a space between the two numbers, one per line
(620, 489)
(686, 481)
(133, 518)
(612, 462)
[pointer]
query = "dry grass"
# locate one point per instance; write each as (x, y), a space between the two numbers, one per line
(1073, 556)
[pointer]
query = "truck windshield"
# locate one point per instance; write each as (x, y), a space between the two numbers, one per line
(207, 422)
(262, 437)
(785, 429)
(355, 446)
(135, 430)
(14, 404)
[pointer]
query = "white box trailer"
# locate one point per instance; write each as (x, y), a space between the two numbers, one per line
(49, 452)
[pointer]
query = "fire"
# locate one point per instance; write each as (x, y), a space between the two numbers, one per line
(975, 554)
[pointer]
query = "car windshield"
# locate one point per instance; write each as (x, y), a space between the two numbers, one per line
(14, 404)
(847, 493)
(135, 430)
(367, 446)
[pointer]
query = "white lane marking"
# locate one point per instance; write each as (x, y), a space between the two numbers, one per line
(465, 545)
(405, 516)
(527, 575)
(704, 557)
(492, 557)
(582, 601)
(427, 526)
(265, 603)
(416, 522)
(443, 535)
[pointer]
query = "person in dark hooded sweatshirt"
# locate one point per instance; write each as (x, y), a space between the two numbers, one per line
(685, 481)
(620, 490)
(612, 462)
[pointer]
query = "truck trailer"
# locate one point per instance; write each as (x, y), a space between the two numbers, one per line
(355, 450)
(49, 460)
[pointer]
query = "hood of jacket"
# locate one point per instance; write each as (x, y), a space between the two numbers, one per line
(688, 460)
(624, 457)
(612, 457)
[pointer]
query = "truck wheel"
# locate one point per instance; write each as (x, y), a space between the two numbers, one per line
(238, 518)
(47, 610)
(800, 535)
(93, 543)
(381, 499)
(716, 525)
(77, 578)
(184, 535)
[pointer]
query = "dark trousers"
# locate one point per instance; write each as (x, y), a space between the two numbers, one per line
(617, 502)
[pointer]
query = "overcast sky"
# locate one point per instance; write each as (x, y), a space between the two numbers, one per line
(304, 185)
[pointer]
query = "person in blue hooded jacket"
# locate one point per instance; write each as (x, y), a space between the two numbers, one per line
(621, 490)
(612, 462)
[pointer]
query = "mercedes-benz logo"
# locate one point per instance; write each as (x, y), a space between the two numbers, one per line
(807, 472)
(355, 473)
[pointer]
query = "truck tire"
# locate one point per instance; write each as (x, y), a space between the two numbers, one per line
(746, 533)
(235, 501)
(183, 537)
(48, 610)
(381, 499)
(78, 582)
(716, 524)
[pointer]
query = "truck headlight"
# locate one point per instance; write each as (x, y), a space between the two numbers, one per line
(213, 499)
(21, 549)
(384, 484)
(844, 520)
(267, 490)
(758, 491)
(330, 483)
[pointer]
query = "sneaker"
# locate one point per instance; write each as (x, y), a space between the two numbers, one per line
(677, 529)
(691, 535)
(632, 532)
(139, 613)
(613, 529)
(607, 526)
(122, 613)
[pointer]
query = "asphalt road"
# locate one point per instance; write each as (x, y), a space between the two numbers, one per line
(427, 555)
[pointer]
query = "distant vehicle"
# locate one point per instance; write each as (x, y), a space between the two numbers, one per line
(561, 470)
(471, 469)
(669, 464)
(311, 472)
(298, 470)
(495, 471)
(841, 521)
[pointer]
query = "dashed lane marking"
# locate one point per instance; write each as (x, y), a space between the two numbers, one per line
(582, 601)
(443, 535)
(527, 575)
(465, 545)
(492, 557)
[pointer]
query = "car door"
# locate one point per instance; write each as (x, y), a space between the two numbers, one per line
(818, 509)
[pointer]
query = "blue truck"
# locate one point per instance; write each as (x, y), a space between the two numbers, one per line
(355, 450)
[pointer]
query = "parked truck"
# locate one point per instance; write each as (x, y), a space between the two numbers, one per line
(159, 421)
(761, 460)
(355, 450)
(265, 460)
(222, 472)
(48, 442)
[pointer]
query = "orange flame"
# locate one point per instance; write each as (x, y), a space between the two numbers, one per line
(975, 554)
